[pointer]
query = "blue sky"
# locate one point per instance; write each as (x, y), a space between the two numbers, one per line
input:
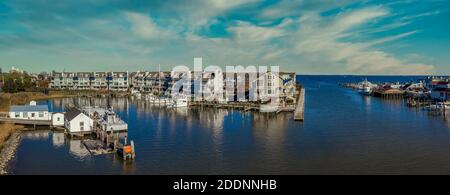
(306, 36)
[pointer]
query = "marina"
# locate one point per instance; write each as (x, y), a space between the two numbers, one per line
(210, 140)
(430, 94)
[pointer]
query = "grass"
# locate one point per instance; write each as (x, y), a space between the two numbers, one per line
(6, 129)
(19, 99)
(22, 98)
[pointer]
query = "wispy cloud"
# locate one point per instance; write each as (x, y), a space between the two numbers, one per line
(321, 36)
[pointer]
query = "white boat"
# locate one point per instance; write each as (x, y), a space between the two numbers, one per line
(268, 108)
(158, 101)
(111, 122)
(438, 107)
(365, 87)
(106, 118)
(180, 102)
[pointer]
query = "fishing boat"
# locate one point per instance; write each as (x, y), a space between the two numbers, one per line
(112, 122)
(106, 118)
(180, 102)
(266, 108)
(365, 87)
(438, 106)
(159, 100)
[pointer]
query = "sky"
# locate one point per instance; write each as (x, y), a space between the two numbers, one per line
(370, 37)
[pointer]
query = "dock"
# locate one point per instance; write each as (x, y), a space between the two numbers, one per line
(27, 121)
(299, 113)
(97, 147)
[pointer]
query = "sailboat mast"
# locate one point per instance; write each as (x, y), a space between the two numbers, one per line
(159, 75)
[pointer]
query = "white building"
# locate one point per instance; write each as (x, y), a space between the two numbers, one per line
(30, 112)
(119, 81)
(82, 80)
(58, 119)
(78, 122)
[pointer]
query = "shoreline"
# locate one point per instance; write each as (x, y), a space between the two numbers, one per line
(8, 151)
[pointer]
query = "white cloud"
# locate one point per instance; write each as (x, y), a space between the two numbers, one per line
(323, 40)
(246, 32)
(143, 26)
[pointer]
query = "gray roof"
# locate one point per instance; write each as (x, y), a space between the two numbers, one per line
(72, 113)
(28, 108)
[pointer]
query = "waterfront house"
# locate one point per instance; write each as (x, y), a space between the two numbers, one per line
(180, 81)
(119, 81)
(99, 81)
(77, 122)
(29, 112)
(57, 119)
(82, 80)
(268, 85)
(138, 80)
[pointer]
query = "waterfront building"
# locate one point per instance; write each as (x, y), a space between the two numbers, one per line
(76, 122)
(81, 80)
(29, 112)
(57, 119)
(99, 81)
(62, 80)
(213, 85)
(138, 80)
(118, 81)
(181, 82)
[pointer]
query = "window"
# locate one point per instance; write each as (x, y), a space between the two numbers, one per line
(82, 126)
(58, 119)
(25, 115)
(17, 114)
(41, 114)
(33, 115)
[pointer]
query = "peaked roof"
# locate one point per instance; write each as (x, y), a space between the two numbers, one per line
(72, 113)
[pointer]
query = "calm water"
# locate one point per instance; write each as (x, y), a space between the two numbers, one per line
(343, 133)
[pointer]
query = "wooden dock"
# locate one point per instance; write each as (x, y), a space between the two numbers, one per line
(299, 113)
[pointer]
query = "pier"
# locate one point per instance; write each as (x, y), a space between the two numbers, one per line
(27, 121)
(299, 113)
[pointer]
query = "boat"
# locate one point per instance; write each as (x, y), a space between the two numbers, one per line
(180, 102)
(438, 107)
(158, 100)
(365, 87)
(266, 108)
(112, 122)
(107, 119)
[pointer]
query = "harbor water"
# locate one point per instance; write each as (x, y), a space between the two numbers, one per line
(343, 133)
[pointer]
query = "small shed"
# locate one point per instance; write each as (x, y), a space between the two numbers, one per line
(58, 119)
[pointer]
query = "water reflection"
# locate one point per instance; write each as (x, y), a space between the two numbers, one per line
(36, 135)
(344, 132)
(77, 149)
(58, 139)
